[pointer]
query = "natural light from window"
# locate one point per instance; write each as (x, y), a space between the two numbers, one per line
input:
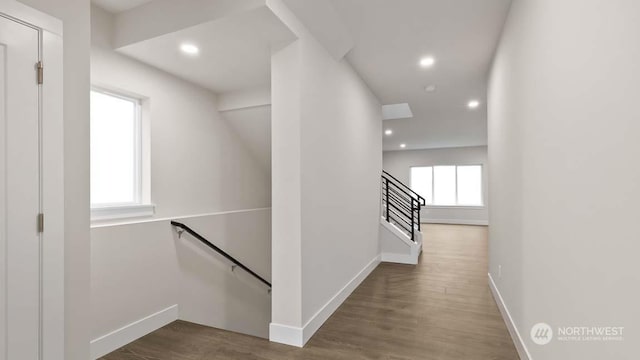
(448, 185)
(444, 185)
(469, 185)
(115, 150)
(422, 182)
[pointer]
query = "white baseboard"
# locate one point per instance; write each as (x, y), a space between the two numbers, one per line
(296, 336)
(455, 221)
(285, 334)
(396, 231)
(399, 258)
(332, 305)
(521, 347)
(126, 334)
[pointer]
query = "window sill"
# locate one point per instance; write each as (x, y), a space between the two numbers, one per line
(106, 213)
(454, 207)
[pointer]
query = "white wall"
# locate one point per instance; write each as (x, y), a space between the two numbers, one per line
(286, 187)
(199, 165)
(248, 113)
(327, 159)
(563, 151)
(399, 164)
(253, 126)
(75, 17)
(143, 268)
(341, 166)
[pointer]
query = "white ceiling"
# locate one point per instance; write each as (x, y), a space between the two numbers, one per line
(392, 36)
(389, 39)
(118, 6)
(235, 52)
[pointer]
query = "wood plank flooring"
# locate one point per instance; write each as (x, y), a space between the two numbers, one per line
(440, 309)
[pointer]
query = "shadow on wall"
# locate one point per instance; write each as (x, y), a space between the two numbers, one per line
(140, 269)
(213, 294)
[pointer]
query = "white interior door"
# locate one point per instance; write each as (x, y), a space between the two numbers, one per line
(20, 193)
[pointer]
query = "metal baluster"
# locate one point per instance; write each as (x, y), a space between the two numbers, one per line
(419, 222)
(387, 197)
(412, 221)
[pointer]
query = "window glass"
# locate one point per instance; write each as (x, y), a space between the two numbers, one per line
(470, 185)
(444, 185)
(448, 185)
(115, 150)
(422, 182)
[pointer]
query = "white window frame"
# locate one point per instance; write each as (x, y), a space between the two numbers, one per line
(142, 206)
(482, 195)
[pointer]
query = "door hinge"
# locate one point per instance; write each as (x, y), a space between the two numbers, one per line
(40, 222)
(40, 70)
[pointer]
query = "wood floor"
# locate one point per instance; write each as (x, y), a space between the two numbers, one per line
(440, 309)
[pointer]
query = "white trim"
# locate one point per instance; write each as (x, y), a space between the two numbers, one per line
(415, 248)
(521, 347)
(332, 305)
(131, 332)
(141, 189)
(51, 158)
(296, 336)
(397, 231)
(121, 212)
(285, 334)
(455, 221)
(139, 221)
(31, 16)
(53, 199)
(399, 258)
(455, 207)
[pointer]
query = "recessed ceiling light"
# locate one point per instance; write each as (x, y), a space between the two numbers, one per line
(402, 146)
(388, 132)
(189, 49)
(430, 88)
(427, 61)
(473, 104)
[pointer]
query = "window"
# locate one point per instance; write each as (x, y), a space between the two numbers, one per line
(448, 185)
(116, 156)
(469, 184)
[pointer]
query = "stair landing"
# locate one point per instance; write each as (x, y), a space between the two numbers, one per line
(441, 308)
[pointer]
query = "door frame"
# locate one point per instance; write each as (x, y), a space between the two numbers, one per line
(52, 269)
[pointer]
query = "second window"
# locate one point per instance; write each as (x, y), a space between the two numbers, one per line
(449, 185)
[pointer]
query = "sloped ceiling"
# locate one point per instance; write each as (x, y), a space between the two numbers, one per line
(253, 126)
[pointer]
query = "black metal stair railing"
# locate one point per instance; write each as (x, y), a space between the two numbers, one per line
(208, 243)
(401, 206)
